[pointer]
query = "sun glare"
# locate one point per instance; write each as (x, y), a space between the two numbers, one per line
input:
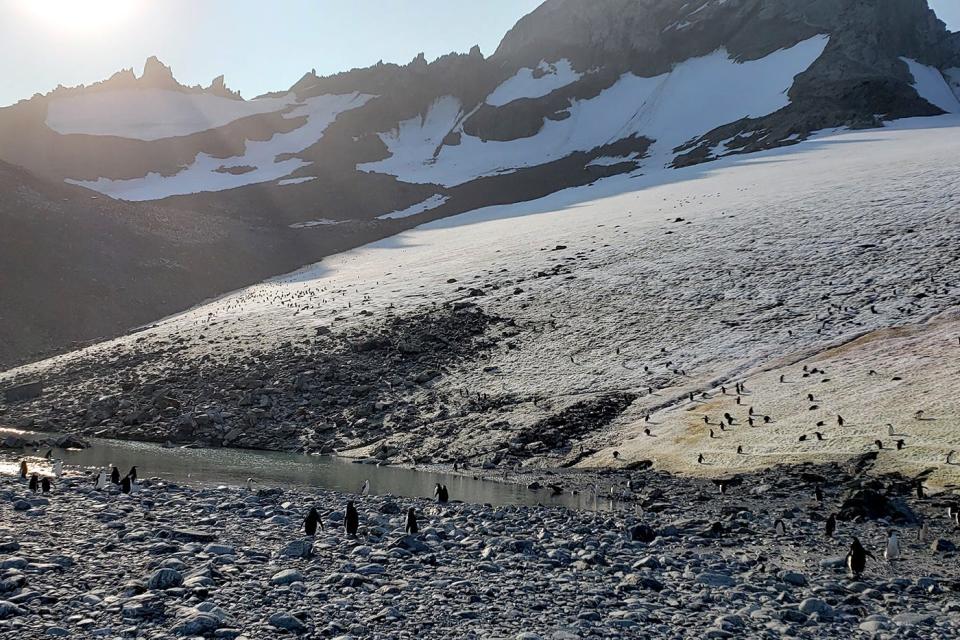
(79, 16)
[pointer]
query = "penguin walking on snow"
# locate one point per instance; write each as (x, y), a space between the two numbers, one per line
(892, 552)
(857, 558)
(311, 522)
(352, 520)
(411, 527)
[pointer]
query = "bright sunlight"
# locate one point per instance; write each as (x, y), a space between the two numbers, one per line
(80, 16)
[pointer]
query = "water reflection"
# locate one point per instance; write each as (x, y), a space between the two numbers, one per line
(233, 467)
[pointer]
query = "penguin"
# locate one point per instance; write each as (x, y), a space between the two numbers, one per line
(923, 533)
(57, 468)
(857, 558)
(34, 483)
(411, 527)
(24, 471)
(818, 434)
(45, 484)
(647, 432)
(365, 488)
(125, 485)
(810, 397)
(311, 522)
(134, 487)
(767, 419)
(901, 444)
(740, 449)
(890, 430)
(706, 419)
(438, 492)
(101, 482)
(920, 494)
(616, 455)
(712, 434)
(444, 494)
(840, 420)
(750, 421)
(779, 527)
(818, 493)
(352, 520)
(133, 472)
(700, 459)
(115, 475)
(892, 552)
(879, 444)
(249, 484)
(831, 525)
(49, 454)
(783, 378)
(802, 438)
(950, 455)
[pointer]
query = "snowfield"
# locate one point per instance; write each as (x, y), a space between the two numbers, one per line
(668, 108)
(206, 172)
(664, 285)
(525, 84)
(152, 114)
(933, 86)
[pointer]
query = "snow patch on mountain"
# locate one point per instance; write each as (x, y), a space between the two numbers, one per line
(206, 173)
(669, 108)
(530, 83)
(152, 114)
(289, 181)
(430, 203)
(953, 79)
(932, 86)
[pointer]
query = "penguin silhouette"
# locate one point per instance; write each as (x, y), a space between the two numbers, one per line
(45, 484)
(115, 475)
(831, 527)
(133, 472)
(24, 471)
(818, 493)
(311, 522)
(352, 520)
(34, 483)
(101, 482)
(857, 558)
(920, 494)
(125, 485)
(779, 527)
(700, 459)
(411, 527)
(901, 444)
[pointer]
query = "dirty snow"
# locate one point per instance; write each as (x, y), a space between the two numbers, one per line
(932, 86)
(667, 108)
(152, 114)
(555, 76)
(202, 174)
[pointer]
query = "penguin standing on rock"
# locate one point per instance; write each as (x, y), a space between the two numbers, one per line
(779, 527)
(45, 484)
(125, 485)
(857, 558)
(892, 552)
(57, 468)
(133, 473)
(312, 521)
(115, 475)
(352, 520)
(34, 483)
(23, 470)
(411, 527)
(831, 525)
(101, 482)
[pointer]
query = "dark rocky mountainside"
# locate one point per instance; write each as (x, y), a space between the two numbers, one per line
(233, 190)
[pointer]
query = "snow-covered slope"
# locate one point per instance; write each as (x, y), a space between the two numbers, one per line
(697, 96)
(534, 83)
(932, 86)
(677, 282)
(151, 114)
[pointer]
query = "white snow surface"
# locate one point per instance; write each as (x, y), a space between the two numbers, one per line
(697, 96)
(288, 181)
(152, 114)
(432, 202)
(932, 86)
(555, 76)
(953, 79)
(202, 174)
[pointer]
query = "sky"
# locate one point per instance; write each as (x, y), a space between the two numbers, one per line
(259, 45)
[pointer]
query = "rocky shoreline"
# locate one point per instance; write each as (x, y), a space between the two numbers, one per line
(178, 561)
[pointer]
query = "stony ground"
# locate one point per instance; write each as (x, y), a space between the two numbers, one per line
(174, 561)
